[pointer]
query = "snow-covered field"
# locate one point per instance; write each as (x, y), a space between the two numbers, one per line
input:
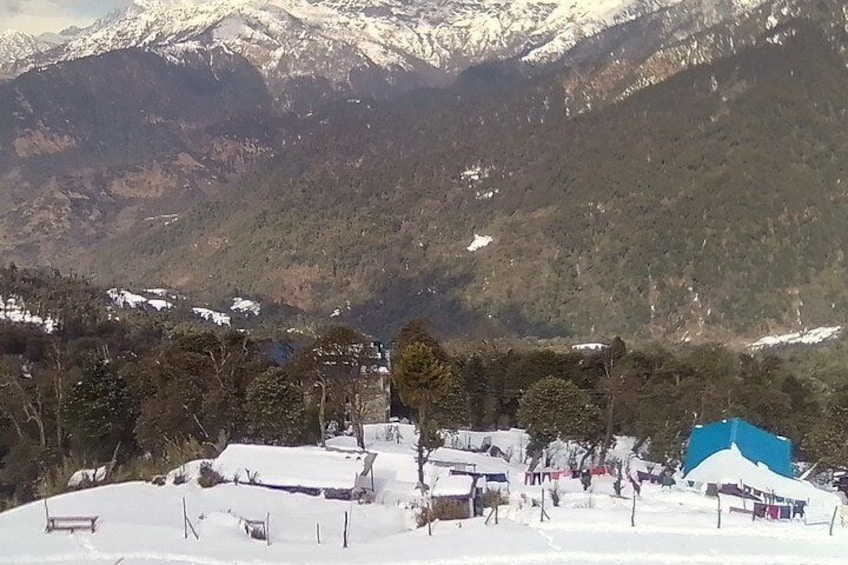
(142, 524)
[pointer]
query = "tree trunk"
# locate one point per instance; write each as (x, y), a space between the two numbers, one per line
(421, 450)
(608, 432)
(356, 421)
(420, 460)
(321, 409)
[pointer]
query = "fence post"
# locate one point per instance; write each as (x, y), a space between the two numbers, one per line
(429, 515)
(633, 512)
(543, 514)
(833, 520)
(185, 520)
(268, 528)
(318, 532)
(345, 532)
(718, 523)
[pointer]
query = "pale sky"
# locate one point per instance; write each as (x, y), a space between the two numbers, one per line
(38, 16)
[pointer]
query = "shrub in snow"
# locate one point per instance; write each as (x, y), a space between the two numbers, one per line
(160, 480)
(180, 477)
(494, 497)
(209, 477)
(252, 477)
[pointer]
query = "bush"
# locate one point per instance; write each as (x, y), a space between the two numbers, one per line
(180, 477)
(492, 498)
(209, 477)
(55, 480)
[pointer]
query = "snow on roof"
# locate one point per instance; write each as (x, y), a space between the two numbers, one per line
(806, 337)
(480, 241)
(309, 467)
(453, 485)
(730, 466)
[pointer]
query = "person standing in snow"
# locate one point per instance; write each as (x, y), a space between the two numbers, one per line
(586, 479)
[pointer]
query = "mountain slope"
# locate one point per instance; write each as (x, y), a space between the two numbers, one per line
(90, 147)
(712, 202)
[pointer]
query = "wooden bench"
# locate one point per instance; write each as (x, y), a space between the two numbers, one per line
(71, 523)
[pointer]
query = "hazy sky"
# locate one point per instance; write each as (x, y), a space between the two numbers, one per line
(36, 16)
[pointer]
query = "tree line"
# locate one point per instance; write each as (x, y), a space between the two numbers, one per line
(130, 392)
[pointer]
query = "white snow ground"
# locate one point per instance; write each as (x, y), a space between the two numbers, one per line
(142, 524)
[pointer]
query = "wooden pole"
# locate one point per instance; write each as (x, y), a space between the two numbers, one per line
(344, 544)
(318, 532)
(185, 520)
(496, 513)
(718, 523)
(542, 513)
(268, 529)
(633, 512)
(833, 520)
(429, 516)
(46, 517)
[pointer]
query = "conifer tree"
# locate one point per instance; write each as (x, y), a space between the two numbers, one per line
(555, 409)
(275, 409)
(428, 384)
(100, 410)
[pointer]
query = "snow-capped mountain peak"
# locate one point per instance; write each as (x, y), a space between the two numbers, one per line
(294, 37)
(336, 41)
(17, 45)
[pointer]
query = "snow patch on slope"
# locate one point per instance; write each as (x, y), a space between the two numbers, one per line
(813, 336)
(218, 318)
(480, 241)
(127, 299)
(13, 309)
(245, 306)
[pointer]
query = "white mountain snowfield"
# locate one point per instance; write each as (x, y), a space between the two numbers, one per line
(330, 38)
(142, 524)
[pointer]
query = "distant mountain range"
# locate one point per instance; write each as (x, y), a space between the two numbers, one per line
(665, 167)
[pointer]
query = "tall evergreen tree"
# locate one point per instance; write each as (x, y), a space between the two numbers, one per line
(428, 384)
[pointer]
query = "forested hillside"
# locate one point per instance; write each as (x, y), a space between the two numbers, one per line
(708, 205)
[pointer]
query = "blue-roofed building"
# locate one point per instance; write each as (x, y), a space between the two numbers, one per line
(755, 445)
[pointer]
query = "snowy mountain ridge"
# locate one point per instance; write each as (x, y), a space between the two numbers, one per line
(17, 45)
(331, 39)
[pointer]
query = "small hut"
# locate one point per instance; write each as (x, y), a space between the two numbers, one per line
(452, 497)
(343, 475)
